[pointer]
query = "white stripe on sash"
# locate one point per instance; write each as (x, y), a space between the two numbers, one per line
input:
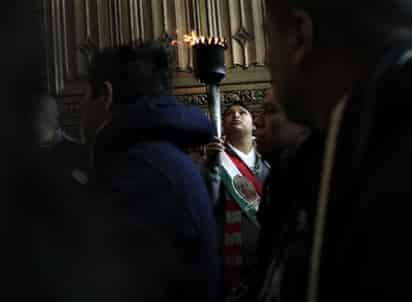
(233, 216)
(232, 239)
(229, 166)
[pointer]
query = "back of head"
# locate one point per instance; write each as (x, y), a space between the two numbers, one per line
(367, 24)
(132, 70)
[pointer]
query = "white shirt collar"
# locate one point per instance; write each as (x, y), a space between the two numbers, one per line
(249, 159)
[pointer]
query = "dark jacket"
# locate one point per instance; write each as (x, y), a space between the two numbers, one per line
(366, 253)
(68, 242)
(139, 159)
(69, 160)
(286, 216)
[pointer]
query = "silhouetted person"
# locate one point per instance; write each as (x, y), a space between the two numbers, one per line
(344, 68)
(289, 201)
(56, 247)
(141, 132)
(70, 241)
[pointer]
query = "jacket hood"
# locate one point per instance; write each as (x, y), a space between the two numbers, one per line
(155, 119)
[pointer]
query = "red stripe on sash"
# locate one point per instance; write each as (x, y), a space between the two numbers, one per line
(245, 171)
(232, 228)
(231, 206)
(233, 250)
(233, 245)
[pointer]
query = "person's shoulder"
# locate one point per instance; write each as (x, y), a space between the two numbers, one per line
(262, 160)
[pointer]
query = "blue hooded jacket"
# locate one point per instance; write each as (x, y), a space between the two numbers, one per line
(139, 158)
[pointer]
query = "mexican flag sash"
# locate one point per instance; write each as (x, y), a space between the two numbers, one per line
(243, 191)
(243, 187)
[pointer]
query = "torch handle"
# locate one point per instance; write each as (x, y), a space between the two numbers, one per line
(215, 107)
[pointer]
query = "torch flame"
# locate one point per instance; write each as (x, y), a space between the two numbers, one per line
(193, 39)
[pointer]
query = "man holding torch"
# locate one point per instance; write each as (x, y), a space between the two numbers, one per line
(235, 175)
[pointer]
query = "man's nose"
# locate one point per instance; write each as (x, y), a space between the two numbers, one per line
(236, 114)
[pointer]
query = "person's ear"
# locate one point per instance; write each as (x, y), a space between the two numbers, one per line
(108, 87)
(301, 35)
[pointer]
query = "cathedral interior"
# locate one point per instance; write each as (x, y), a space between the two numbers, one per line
(70, 28)
(334, 205)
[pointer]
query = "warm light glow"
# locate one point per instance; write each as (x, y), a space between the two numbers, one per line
(192, 39)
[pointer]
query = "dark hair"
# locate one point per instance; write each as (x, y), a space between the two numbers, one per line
(133, 70)
(365, 24)
(236, 103)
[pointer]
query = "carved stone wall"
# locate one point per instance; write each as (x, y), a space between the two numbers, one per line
(72, 24)
(247, 97)
(251, 98)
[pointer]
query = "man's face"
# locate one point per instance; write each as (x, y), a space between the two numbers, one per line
(286, 66)
(270, 125)
(237, 120)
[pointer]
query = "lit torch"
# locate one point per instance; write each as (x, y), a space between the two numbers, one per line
(209, 66)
